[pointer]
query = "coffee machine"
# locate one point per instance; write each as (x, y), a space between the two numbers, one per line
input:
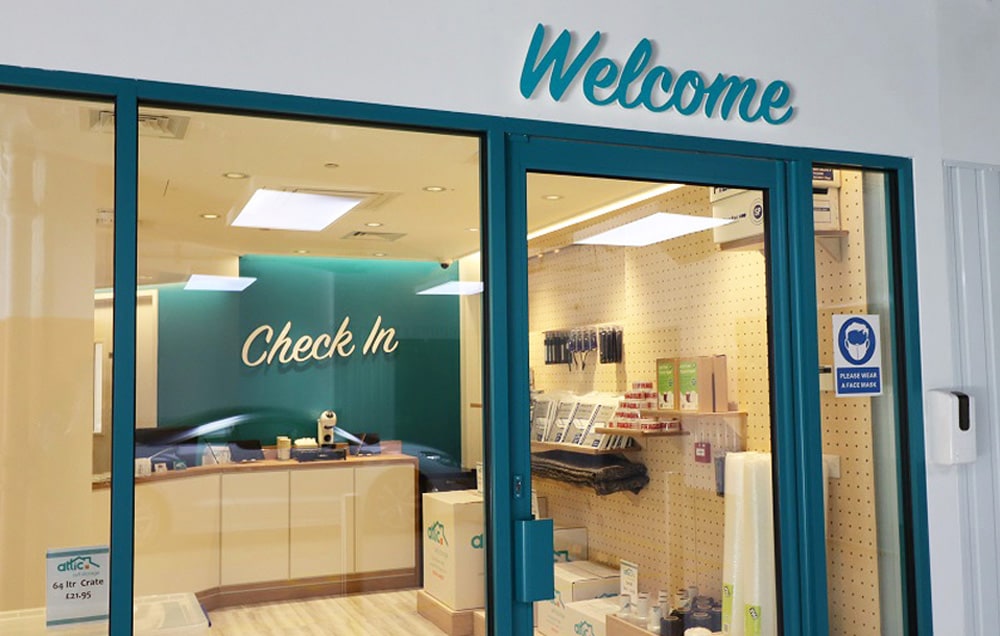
(324, 428)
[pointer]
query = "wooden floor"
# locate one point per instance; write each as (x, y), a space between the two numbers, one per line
(384, 614)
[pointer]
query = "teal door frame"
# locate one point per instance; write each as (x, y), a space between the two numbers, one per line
(505, 352)
(538, 154)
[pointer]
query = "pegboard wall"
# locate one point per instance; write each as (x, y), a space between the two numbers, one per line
(681, 298)
(678, 298)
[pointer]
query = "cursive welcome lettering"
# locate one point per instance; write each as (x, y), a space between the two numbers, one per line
(635, 84)
(262, 347)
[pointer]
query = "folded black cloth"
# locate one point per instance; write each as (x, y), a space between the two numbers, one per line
(606, 474)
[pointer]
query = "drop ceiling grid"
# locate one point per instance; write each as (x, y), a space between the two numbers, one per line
(852, 543)
(678, 298)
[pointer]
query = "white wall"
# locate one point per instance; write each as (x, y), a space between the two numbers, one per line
(872, 77)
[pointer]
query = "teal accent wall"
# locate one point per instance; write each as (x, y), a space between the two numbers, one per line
(411, 394)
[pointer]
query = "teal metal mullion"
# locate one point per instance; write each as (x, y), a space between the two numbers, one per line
(807, 416)
(499, 537)
(123, 376)
(910, 431)
(517, 343)
(783, 431)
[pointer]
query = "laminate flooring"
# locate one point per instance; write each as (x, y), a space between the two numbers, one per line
(381, 614)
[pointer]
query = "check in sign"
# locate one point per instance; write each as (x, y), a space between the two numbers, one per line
(857, 355)
(76, 585)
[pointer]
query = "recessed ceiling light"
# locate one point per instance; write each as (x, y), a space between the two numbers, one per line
(279, 210)
(235, 175)
(210, 217)
(373, 224)
(206, 282)
(331, 165)
(552, 197)
(145, 277)
(301, 251)
(656, 227)
(433, 188)
(454, 288)
(380, 254)
(472, 229)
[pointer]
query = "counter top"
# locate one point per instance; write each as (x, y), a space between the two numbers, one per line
(265, 465)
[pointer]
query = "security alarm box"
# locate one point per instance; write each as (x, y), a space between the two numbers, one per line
(745, 208)
(951, 421)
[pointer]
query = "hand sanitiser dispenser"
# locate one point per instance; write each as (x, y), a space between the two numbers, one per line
(952, 422)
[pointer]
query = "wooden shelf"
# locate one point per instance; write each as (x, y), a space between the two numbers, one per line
(541, 447)
(628, 432)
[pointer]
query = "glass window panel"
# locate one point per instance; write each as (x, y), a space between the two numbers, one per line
(56, 345)
(314, 414)
(858, 398)
(651, 431)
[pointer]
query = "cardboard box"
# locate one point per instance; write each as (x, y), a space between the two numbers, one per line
(576, 581)
(569, 544)
(694, 381)
(720, 384)
(454, 555)
(666, 384)
(589, 617)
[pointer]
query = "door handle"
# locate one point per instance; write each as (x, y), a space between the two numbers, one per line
(533, 546)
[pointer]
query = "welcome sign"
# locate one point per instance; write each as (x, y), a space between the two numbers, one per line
(638, 82)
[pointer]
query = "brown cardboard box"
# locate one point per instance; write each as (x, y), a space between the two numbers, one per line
(720, 384)
(694, 384)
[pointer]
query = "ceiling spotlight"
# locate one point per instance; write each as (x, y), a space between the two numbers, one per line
(379, 254)
(331, 165)
(552, 197)
(301, 251)
(209, 216)
(235, 175)
(472, 229)
(433, 188)
(373, 224)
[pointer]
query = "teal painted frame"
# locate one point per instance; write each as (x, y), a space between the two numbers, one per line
(504, 321)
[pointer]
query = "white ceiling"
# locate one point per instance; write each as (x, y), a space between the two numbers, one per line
(181, 179)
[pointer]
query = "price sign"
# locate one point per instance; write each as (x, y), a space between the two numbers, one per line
(629, 580)
(76, 585)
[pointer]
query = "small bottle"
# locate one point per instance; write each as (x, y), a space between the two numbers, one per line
(640, 616)
(671, 626)
(625, 608)
(653, 624)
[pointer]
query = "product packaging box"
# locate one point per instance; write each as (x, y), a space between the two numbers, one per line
(745, 210)
(720, 384)
(589, 617)
(694, 377)
(569, 544)
(576, 581)
(666, 384)
(454, 554)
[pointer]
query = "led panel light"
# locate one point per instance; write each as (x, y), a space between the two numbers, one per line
(206, 282)
(654, 228)
(454, 288)
(302, 211)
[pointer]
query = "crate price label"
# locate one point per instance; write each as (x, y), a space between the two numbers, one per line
(857, 355)
(76, 585)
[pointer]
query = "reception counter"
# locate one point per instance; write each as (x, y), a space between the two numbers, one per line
(275, 530)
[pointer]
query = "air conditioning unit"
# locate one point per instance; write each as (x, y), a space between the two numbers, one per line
(746, 209)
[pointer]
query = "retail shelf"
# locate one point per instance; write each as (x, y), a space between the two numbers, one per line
(541, 447)
(832, 241)
(627, 432)
(691, 414)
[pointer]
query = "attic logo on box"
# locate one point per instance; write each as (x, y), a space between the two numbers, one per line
(435, 532)
(656, 88)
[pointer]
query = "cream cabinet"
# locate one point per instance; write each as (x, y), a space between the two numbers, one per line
(254, 527)
(177, 535)
(386, 517)
(321, 522)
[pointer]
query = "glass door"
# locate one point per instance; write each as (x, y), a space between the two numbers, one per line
(653, 382)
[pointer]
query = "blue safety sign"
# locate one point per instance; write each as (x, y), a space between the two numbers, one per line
(857, 355)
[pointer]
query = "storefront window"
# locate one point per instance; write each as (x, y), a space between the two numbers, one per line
(56, 254)
(651, 418)
(314, 423)
(858, 396)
